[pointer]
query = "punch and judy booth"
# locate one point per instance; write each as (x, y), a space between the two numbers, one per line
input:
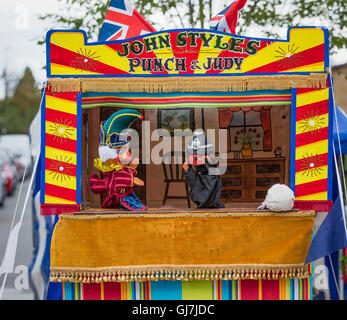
(272, 98)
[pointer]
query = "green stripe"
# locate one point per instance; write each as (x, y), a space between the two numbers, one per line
(214, 286)
(300, 289)
(144, 95)
(234, 286)
(197, 290)
(142, 291)
(287, 289)
(77, 291)
(129, 291)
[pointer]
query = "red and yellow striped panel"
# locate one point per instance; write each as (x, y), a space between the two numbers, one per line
(203, 52)
(311, 155)
(60, 148)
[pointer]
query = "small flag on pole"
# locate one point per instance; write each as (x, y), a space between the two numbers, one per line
(226, 20)
(122, 21)
(331, 235)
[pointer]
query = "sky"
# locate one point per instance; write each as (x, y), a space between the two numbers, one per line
(20, 29)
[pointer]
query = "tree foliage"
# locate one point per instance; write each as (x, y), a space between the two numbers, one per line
(22, 107)
(78, 14)
(270, 18)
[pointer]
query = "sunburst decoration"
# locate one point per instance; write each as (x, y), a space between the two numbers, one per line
(289, 57)
(311, 165)
(311, 122)
(61, 129)
(85, 60)
(61, 168)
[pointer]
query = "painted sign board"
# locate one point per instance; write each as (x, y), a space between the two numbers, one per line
(187, 52)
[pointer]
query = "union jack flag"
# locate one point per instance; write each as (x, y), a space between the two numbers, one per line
(226, 20)
(123, 21)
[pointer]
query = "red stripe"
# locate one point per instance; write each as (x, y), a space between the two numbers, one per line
(47, 209)
(306, 57)
(318, 205)
(249, 289)
(68, 58)
(312, 110)
(322, 160)
(306, 286)
(63, 289)
(219, 289)
(60, 117)
(311, 187)
(310, 265)
(61, 143)
(60, 192)
(91, 291)
(54, 165)
(270, 289)
(71, 96)
(149, 290)
(311, 137)
(304, 90)
(196, 100)
(112, 291)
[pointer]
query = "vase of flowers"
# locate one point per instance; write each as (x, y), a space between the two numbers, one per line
(246, 150)
(246, 137)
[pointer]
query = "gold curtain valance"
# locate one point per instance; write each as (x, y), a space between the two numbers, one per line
(188, 84)
(181, 246)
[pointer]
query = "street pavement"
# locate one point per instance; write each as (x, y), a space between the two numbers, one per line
(17, 287)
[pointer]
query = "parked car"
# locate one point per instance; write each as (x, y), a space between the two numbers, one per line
(3, 191)
(18, 162)
(19, 146)
(8, 171)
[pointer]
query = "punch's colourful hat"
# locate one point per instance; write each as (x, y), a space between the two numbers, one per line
(115, 133)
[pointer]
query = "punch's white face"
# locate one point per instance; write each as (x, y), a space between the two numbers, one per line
(107, 153)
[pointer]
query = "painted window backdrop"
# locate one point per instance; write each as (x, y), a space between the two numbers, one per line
(251, 125)
(171, 119)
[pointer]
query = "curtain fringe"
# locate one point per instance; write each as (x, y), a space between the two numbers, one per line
(182, 274)
(188, 84)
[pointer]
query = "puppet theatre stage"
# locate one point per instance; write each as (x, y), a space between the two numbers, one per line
(283, 99)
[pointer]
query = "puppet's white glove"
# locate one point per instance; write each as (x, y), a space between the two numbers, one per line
(279, 198)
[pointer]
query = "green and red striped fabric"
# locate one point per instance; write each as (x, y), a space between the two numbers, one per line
(180, 99)
(290, 289)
